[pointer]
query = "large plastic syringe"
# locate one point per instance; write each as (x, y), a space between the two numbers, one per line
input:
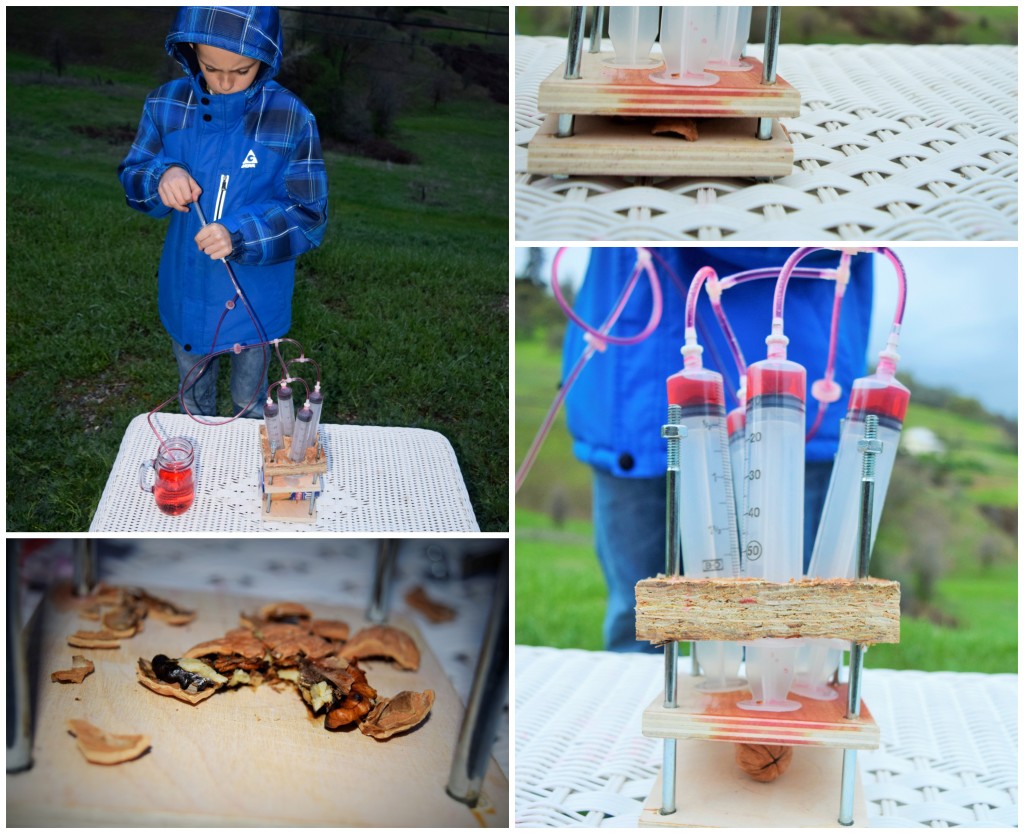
(707, 506)
(633, 30)
(835, 548)
(773, 504)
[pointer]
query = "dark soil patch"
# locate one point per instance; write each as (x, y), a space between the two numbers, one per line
(374, 148)
(113, 134)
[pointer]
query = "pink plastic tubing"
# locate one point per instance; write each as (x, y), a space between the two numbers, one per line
(599, 337)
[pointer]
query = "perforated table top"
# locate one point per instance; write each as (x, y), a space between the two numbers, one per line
(379, 480)
(892, 143)
(948, 752)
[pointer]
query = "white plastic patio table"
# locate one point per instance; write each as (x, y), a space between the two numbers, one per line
(948, 754)
(892, 142)
(379, 480)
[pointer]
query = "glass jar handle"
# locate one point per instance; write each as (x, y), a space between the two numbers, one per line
(142, 475)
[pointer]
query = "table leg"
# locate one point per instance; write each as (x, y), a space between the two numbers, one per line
(486, 701)
(384, 573)
(19, 707)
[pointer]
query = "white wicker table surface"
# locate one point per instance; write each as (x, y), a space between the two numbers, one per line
(948, 754)
(379, 480)
(892, 143)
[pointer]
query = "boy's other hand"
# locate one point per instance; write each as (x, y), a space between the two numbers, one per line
(214, 240)
(177, 188)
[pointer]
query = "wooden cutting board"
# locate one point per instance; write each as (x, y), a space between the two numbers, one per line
(251, 757)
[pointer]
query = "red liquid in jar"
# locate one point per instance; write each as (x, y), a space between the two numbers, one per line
(174, 491)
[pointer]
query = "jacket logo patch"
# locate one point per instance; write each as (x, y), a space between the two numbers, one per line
(250, 160)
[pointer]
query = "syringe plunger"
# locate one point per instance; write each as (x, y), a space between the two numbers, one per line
(316, 403)
(300, 438)
(284, 399)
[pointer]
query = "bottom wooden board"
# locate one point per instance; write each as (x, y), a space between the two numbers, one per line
(254, 757)
(606, 145)
(712, 792)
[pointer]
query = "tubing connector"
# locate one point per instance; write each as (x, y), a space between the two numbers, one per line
(843, 273)
(714, 288)
(236, 348)
(595, 341)
(826, 390)
(777, 341)
(691, 351)
(643, 257)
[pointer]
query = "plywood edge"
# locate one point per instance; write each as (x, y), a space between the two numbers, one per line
(604, 90)
(715, 717)
(678, 608)
(603, 146)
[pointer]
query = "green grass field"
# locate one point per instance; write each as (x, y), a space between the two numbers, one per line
(560, 592)
(405, 305)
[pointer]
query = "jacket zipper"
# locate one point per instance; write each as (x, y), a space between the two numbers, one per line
(218, 210)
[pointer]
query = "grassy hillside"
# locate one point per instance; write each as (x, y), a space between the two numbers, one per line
(405, 305)
(940, 537)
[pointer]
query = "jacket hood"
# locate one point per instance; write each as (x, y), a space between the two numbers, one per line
(252, 31)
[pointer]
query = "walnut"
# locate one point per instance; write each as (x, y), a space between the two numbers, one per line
(330, 629)
(289, 643)
(398, 714)
(763, 762)
(239, 648)
(81, 668)
(434, 611)
(101, 747)
(351, 698)
(192, 695)
(383, 641)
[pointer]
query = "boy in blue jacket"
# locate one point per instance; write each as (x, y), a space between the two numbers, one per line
(247, 150)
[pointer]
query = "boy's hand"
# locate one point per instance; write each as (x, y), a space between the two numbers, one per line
(214, 240)
(177, 188)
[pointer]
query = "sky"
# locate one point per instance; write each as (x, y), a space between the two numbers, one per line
(960, 326)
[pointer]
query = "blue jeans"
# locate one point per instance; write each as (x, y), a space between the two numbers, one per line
(248, 375)
(629, 536)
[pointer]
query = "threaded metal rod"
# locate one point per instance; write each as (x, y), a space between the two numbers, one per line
(869, 447)
(673, 432)
(772, 29)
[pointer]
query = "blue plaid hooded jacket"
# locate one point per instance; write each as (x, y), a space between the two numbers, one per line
(256, 155)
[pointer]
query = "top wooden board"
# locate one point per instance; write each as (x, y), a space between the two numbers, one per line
(254, 757)
(604, 90)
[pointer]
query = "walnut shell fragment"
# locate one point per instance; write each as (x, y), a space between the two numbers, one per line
(289, 643)
(764, 762)
(238, 649)
(398, 714)
(383, 641)
(125, 621)
(81, 668)
(335, 630)
(94, 640)
(434, 611)
(285, 611)
(147, 677)
(101, 747)
(167, 611)
(686, 128)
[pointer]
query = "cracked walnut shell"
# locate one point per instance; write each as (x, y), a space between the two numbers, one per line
(764, 762)
(81, 668)
(383, 641)
(101, 747)
(398, 714)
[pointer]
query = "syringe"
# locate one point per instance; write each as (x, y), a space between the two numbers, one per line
(272, 421)
(284, 400)
(316, 402)
(707, 506)
(773, 507)
(300, 436)
(736, 425)
(835, 548)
